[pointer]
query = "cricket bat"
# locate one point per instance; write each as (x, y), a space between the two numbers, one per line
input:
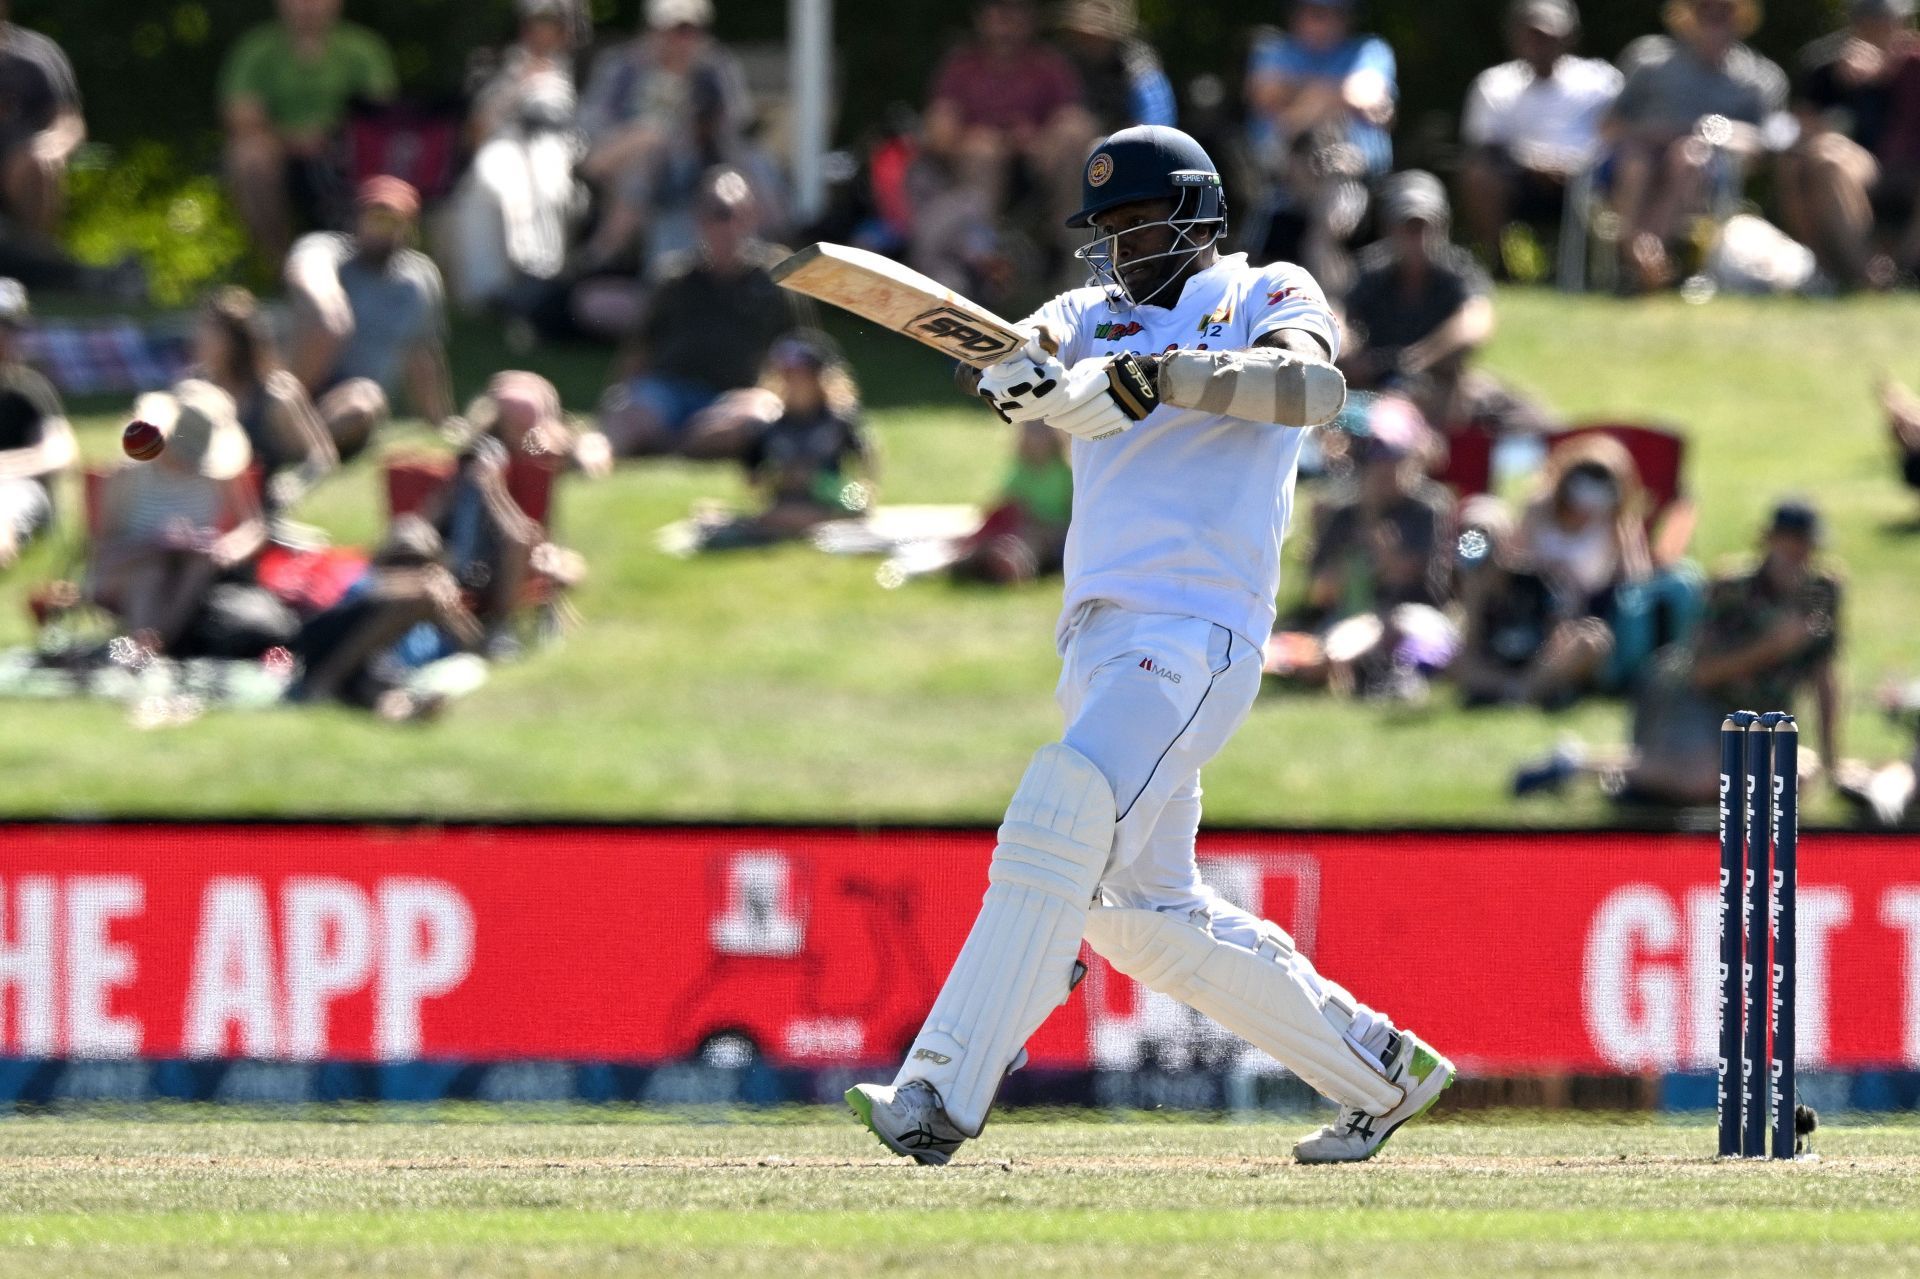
(1265, 386)
(901, 299)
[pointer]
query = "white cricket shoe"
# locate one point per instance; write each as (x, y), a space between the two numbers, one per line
(1356, 1135)
(908, 1120)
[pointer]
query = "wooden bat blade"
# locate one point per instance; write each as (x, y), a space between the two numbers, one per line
(902, 299)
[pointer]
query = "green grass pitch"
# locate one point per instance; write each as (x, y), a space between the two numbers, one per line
(582, 1193)
(787, 685)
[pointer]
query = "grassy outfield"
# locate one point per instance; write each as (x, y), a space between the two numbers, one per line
(785, 684)
(592, 1196)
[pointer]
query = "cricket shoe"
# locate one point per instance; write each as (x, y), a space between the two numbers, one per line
(1356, 1135)
(909, 1120)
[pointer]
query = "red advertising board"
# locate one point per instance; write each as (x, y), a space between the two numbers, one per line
(1514, 952)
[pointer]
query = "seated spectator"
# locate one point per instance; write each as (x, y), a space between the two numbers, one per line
(40, 127)
(1120, 74)
(1378, 575)
(814, 461)
(351, 653)
(493, 545)
(1419, 310)
(1770, 633)
(233, 349)
(36, 443)
(1524, 643)
(284, 94)
(658, 113)
(1584, 535)
(1886, 793)
(1845, 96)
(369, 317)
(1320, 104)
(1689, 116)
(1025, 535)
(706, 331)
(1530, 126)
(515, 208)
(1006, 137)
(1902, 408)
(171, 527)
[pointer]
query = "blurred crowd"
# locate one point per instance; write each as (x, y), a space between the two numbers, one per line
(630, 188)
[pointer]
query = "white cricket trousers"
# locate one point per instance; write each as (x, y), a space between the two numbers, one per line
(1149, 698)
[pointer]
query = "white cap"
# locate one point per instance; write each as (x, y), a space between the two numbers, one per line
(665, 14)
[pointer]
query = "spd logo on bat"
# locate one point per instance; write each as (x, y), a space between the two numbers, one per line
(951, 330)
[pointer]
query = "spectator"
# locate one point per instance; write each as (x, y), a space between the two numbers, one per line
(1770, 633)
(171, 527)
(1830, 181)
(1419, 310)
(40, 126)
(707, 328)
(1585, 536)
(1006, 134)
(233, 349)
(1531, 125)
(1902, 408)
(514, 211)
(1688, 118)
(1378, 576)
(1886, 792)
(36, 444)
(1119, 72)
(352, 652)
(659, 112)
(1523, 644)
(1025, 535)
(370, 316)
(1320, 102)
(814, 462)
(284, 93)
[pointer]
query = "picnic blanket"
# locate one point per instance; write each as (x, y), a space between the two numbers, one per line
(161, 691)
(884, 530)
(107, 356)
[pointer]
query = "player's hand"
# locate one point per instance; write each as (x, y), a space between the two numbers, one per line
(1027, 386)
(1106, 396)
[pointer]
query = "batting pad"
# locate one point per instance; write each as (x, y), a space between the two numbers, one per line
(1016, 966)
(1270, 997)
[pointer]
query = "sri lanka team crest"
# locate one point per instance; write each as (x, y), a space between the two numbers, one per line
(1113, 331)
(1099, 169)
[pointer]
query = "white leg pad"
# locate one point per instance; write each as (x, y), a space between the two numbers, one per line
(1017, 964)
(1264, 996)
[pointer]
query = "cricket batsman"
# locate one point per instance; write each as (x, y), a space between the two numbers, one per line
(1172, 567)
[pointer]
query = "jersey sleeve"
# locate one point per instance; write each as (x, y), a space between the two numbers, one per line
(1285, 297)
(1376, 56)
(1062, 317)
(244, 74)
(1478, 120)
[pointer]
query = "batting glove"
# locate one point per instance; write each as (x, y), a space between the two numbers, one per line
(1027, 386)
(1105, 397)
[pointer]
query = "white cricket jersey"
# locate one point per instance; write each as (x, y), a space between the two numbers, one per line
(1184, 512)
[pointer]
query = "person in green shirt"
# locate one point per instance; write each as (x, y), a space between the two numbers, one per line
(1025, 535)
(283, 93)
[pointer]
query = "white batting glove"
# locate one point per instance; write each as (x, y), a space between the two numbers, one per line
(1104, 397)
(1027, 386)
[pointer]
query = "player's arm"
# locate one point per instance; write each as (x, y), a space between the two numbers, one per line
(1301, 342)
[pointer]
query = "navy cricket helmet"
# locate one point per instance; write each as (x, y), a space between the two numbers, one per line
(1151, 162)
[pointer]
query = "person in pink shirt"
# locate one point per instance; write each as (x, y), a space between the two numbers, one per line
(1006, 119)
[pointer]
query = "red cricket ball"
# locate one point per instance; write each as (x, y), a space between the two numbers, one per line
(143, 441)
